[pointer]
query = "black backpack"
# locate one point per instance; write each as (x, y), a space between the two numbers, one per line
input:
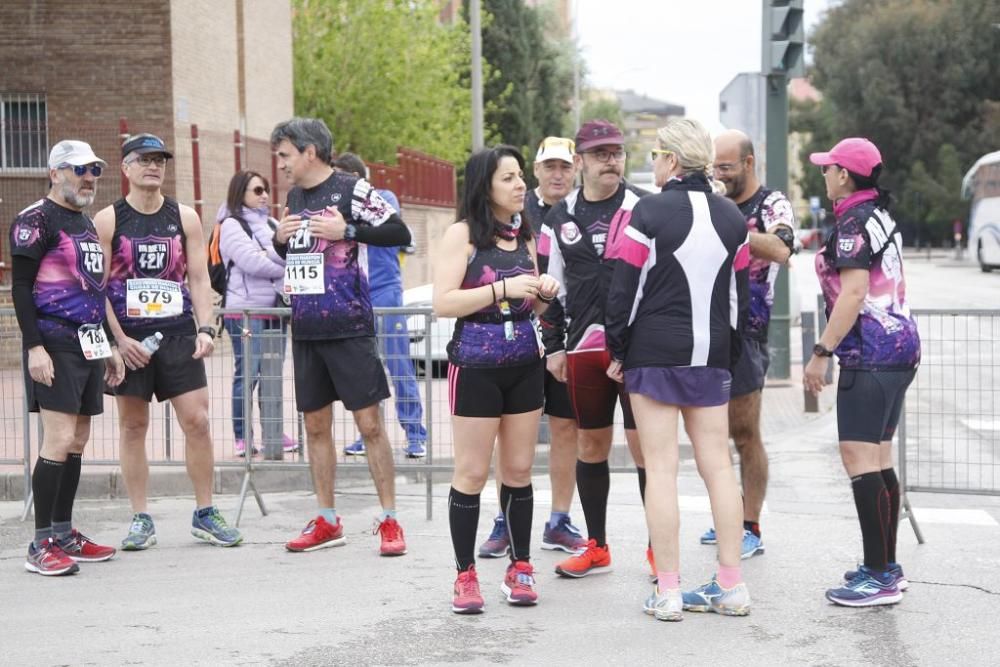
(218, 270)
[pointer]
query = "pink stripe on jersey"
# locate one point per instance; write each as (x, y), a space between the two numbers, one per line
(742, 259)
(632, 251)
(616, 233)
(544, 244)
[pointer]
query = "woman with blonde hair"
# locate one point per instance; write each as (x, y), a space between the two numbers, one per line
(678, 298)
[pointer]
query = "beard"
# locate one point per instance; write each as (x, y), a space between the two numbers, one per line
(735, 185)
(74, 198)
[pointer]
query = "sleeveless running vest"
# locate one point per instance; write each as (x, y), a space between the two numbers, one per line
(480, 340)
(148, 271)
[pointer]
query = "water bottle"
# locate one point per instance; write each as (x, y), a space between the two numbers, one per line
(152, 342)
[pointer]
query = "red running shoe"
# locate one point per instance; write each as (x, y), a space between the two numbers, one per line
(468, 599)
(393, 543)
(519, 584)
(318, 534)
(82, 549)
(593, 560)
(49, 559)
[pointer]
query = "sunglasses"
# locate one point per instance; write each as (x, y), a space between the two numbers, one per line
(259, 190)
(826, 167)
(81, 169)
(658, 151)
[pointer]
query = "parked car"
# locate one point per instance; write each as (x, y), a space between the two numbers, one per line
(440, 332)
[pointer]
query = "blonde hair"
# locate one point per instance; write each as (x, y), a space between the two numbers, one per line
(691, 143)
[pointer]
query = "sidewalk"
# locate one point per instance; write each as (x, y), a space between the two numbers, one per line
(184, 602)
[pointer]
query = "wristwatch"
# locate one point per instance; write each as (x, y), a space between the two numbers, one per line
(821, 351)
(210, 330)
(350, 231)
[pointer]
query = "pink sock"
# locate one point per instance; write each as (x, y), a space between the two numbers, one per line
(667, 580)
(728, 576)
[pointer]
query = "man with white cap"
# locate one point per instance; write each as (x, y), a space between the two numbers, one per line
(58, 289)
(556, 176)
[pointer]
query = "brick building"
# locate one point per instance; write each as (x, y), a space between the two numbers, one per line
(74, 70)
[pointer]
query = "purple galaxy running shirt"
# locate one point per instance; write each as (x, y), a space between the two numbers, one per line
(884, 337)
(764, 211)
(70, 286)
(479, 340)
(344, 308)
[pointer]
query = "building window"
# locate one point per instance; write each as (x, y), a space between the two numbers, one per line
(24, 132)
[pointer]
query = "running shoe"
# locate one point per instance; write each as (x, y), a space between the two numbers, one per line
(82, 549)
(713, 597)
(391, 533)
(519, 584)
(141, 534)
(356, 448)
(498, 542)
(752, 545)
(212, 528)
(241, 448)
(289, 444)
(564, 535)
(895, 569)
(665, 606)
(49, 559)
(415, 450)
(709, 537)
(592, 560)
(867, 589)
(318, 534)
(467, 598)
(652, 565)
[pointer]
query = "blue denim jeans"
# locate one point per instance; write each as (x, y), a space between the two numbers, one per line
(259, 364)
(394, 339)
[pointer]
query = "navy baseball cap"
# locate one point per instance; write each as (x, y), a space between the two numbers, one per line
(145, 143)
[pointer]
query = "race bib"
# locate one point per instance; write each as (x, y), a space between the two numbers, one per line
(304, 273)
(93, 342)
(150, 297)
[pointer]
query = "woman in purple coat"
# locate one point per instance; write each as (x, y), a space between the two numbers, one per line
(255, 279)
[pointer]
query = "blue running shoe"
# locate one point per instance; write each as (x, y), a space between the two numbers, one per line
(415, 450)
(713, 597)
(895, 569)
(357, 448)
(209, 525)
(141, 534)
(497, 544)
(867, 589)
(665, 606)
(752, 545)
(709, 537)
(564, 535)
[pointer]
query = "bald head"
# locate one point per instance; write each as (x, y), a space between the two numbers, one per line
(734, 165)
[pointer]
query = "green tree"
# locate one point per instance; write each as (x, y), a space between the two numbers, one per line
(912, 76)
(383, 73)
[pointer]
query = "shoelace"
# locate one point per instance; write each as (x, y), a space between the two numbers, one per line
(468, 585)
(217, 521)
(388, 529)
(138, 525)
(499, 530)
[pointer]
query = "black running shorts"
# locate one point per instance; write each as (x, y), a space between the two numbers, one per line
(493, 392)
(77, 389)
(171, 371)
(346, 369)
(557, 403)
(869, 403)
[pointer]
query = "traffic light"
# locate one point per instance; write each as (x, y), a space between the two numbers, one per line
(783, 38)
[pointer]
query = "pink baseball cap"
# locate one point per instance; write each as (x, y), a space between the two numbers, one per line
(854, 154)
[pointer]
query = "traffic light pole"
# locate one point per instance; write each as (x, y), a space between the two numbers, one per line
(776, 178)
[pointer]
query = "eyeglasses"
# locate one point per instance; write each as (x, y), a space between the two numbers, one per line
(259, 190)
(81, 169)
(724, 168)
(826, 167)
(146, 160)
(658, 151)
(607, 156)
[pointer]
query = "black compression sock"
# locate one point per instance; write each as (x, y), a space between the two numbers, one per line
(463, 517)
(872, 502)
(518, 507)
(892, 486)
(45, 488)
(593, 481)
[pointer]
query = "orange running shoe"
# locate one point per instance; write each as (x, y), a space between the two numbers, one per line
(593, 560)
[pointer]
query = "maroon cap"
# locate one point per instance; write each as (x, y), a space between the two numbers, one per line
(853, 154)
(596, 133)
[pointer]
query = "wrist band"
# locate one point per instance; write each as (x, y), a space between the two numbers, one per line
(545, 299)
(207, 330)
(494, 289)
(504, 289)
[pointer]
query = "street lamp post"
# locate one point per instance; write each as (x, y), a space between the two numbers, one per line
(475, 25)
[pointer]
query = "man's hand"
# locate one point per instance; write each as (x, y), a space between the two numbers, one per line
(204, 345)
(40, 366)
(556, 364)
(114, 368)
(615, 371)
(133, 353)
(814, 375)
(330, 225)
(288, 225)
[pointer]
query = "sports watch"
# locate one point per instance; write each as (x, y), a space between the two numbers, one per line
(350, 231)
(820, 351)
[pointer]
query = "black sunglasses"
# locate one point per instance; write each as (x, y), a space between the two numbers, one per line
(259, 190)
(826, 167)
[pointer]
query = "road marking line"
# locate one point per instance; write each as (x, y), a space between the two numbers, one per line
(956, 517)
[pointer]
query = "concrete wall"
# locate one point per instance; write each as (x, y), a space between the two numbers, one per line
(427, 224)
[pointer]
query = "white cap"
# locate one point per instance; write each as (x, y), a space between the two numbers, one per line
(73, 152)
(555, 148)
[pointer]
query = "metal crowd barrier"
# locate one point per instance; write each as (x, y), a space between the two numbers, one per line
(949, 432)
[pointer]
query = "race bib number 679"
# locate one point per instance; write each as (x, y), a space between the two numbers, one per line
(149, 297)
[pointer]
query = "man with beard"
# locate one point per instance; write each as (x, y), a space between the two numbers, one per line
(555, 171)
(158, 284)
(771, 223)
(58, 292)
(578, 239)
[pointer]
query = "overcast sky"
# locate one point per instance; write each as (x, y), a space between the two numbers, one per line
(680, 51)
